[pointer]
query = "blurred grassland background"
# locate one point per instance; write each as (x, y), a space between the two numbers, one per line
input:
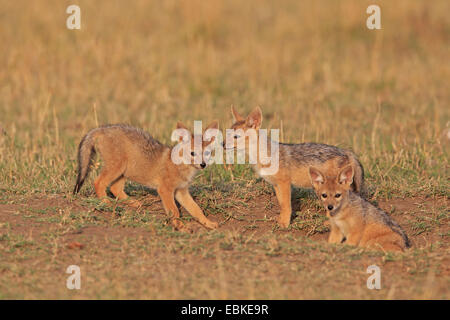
(315, 69)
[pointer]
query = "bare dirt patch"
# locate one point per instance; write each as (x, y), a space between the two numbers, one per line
(127, 253)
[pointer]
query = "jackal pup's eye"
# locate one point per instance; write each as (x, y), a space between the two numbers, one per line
(193, 153)
(324, 195)
(337, 195)
(237, 136)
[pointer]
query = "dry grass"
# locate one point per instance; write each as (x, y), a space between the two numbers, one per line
(319, 75)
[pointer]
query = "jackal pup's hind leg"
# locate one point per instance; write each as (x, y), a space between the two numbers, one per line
(117, 188)
(110, 174)
(389, 241)
(118, 192)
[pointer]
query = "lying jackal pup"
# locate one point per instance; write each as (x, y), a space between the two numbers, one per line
(294, 162)
(130, 153)
(354, 219)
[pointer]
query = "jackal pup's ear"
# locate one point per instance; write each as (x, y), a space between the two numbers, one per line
(316, 176)
(187, 132)
(254, 119)
(236, 116)
(213, 125)
(211, 135)
(180, 125)
(346, 175)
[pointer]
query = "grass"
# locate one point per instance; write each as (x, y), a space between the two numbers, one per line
(319, 75)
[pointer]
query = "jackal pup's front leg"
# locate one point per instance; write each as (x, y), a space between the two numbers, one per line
(168, 201)
(185, 199)
(336, 235)
(283, 193)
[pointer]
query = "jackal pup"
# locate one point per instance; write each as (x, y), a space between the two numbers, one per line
(294, 161)
(131, 153)
(352, 218)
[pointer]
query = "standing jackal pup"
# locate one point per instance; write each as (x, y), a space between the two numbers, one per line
(354, 219)
(131, 153)
(294, 161)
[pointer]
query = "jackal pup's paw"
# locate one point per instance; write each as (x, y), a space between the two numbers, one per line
(210, 224)
(180, 226)
(134, 203)
(106, 201)
(283, 223)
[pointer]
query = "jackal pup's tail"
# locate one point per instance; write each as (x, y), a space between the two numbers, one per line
(358, 179)
(86, 153)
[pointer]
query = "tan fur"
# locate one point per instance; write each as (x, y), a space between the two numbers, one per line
(353, 219)
(132, 154)
(294, 162)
